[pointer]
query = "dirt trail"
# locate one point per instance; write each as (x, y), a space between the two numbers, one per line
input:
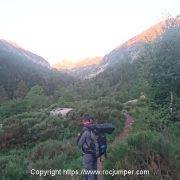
(129, 120)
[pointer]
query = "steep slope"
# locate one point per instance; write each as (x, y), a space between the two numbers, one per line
(133, 47)
(130, 50)
(123, 66)
(17, 64)
(14, 49)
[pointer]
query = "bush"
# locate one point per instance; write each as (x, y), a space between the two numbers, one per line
(13, 107)
(146, 149)
(13, 167)
(48, 149)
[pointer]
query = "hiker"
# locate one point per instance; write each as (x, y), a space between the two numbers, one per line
(92, 141)
(87, 144)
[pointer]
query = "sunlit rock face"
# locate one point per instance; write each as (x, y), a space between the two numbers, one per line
(133, 46)
(69, 65)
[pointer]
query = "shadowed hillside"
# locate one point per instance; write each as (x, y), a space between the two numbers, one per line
(19, 66)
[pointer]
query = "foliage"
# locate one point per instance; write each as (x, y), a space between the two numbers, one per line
(161, 66)
(3, 95)
(15, 68)
(13, 107)
(21, 90)
(147, 148)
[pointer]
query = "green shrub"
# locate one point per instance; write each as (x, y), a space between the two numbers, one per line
(13, 107)
(52, 148)
(13, 167)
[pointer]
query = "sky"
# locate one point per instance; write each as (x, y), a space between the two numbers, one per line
(76, 29)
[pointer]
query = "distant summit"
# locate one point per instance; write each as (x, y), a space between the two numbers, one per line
(152, 33)
(91, 67)
(64, 64)
(68, 65)
(146, 36)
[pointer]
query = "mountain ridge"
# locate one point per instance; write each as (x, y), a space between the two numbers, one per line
(11, 47)
(132, 47)
(69, 65)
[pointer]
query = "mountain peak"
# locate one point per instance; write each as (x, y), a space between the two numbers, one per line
(68, 64)
(152, 33)
(134, 45)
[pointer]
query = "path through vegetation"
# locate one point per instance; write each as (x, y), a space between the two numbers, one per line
(129, 120)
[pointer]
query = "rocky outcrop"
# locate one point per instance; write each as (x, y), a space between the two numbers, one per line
(60, 112)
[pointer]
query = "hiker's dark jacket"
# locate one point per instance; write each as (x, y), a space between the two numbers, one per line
(86, 141)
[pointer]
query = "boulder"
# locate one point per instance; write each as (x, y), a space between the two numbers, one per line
(60, 112)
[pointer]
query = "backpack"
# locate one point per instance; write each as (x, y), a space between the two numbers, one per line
(100, 144)
(105, 128)
(99, 131)
(98, 135)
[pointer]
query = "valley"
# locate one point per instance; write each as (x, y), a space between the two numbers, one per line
(135, 87)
